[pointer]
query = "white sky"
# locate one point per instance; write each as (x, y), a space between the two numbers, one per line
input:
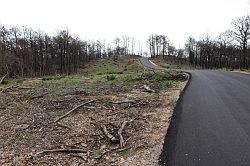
(106, 19)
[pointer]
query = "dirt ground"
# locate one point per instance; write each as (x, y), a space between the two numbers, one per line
(31, 132)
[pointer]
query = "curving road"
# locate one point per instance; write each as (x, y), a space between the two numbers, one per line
(211, 121)
(147, 63)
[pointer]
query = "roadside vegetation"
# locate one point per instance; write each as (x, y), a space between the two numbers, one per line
(114, 111)
(172, 63)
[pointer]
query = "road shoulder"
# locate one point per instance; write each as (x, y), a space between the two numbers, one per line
(170, 98)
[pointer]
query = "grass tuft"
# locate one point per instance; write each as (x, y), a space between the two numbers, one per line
(19, 135)
(2, 143)
(111, 77)
(6, 82)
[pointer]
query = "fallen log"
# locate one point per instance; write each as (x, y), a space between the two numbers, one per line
(75, 108)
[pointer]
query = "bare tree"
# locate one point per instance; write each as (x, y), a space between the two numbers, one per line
(241, 33)
(25, 52)
(132, 46)
(158, 45)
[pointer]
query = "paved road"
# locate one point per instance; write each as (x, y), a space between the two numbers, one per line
(148, 64)
(211, 122)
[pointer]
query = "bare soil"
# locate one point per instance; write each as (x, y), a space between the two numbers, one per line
(28, 127)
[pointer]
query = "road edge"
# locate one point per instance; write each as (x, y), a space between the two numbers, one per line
(173, 124)
(241, 72)
(151, 68)
(163, 159)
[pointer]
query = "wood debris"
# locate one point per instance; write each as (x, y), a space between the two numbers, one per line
(122, 142)
(72, 110)
(107, 134)
(61, 151)
(2, 79)
(148, 89)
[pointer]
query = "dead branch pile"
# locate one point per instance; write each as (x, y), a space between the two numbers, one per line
(112, 138)
(107, 134)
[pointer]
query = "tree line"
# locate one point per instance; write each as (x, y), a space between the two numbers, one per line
(26, 52)
(229, 50)
(161, 46)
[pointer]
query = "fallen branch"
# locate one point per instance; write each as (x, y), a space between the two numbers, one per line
(114, 113)
(122, 143)
(148, 89)
(6, 89)
(39, 96)
(79, 92)
(111, 150)
(1, 81)
(61, 151)
(80, 156)
(89, 107)
(105, 152)
(63, 126)
(127, 101)
(123, 149)
(107, 134)
(75, 108)
(25, 87)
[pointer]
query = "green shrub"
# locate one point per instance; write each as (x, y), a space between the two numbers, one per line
(47, 78)
(19, 135)
(111, 77)
(2, 143)
(114, 72)
(31, 143)
(19, 81)
(131, 78)
(6, 82)
(57, 77)
(19, 108)
(161, 76)
(119, 72)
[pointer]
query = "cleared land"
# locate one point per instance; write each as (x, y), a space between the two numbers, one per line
(105, 115)
(171, 63)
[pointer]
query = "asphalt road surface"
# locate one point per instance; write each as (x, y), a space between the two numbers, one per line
(211, 121)
(145, 61)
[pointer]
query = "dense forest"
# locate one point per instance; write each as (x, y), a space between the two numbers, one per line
(25, 52)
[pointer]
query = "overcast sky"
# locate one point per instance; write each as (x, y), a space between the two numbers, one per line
(106, 19)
